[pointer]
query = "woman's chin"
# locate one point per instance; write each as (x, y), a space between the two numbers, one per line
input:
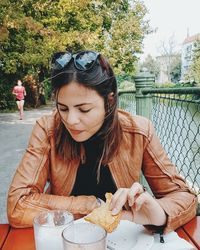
(80, 138)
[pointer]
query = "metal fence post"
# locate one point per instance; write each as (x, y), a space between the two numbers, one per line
(144, 104)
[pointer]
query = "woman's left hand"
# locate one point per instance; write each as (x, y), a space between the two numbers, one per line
(145, 209)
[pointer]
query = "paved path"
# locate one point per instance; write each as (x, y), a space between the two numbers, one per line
(14, 135)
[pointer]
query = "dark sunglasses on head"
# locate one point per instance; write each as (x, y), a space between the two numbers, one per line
(83, 60)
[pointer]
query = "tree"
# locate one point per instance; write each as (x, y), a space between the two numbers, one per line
(176, 68)
(151, 65)
(168, 57)
(32, 30)
(194, 70)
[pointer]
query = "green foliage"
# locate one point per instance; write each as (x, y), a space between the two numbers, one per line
(125, 82)
(126, 85)
(124, 77)
(32, 30)
(174, 85)
(47, 89)
(169, 64)
(32, 93)
(193, 75)
(7, 100)
(176, 68)
(166, 85)
(151, 65)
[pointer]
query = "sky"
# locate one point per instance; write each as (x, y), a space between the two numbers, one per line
(170, 18)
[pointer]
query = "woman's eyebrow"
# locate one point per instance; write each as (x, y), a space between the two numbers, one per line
(77, 105)
(61, 104)
(82, 104)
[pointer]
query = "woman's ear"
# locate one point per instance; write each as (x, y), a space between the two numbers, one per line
(111, 97)
(110, 101)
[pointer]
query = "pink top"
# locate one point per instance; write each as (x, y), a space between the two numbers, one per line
(19, 92)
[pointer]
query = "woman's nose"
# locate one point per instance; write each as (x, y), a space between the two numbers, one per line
(72, 118)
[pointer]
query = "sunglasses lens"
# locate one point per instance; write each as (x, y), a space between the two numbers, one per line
(62, 61)
(85, 60)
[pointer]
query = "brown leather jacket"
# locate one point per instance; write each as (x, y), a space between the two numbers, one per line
(140, 149)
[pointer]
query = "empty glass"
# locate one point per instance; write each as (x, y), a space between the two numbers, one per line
(85, 236)
(48, 227)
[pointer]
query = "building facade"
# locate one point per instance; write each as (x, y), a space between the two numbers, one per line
(187, 53)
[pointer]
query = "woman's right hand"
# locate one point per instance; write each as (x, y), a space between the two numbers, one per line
(145, 209)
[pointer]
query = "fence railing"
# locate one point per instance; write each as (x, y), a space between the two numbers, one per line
(175, 113)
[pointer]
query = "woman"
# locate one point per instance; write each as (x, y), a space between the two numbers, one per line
(88, 147)
(19, 92)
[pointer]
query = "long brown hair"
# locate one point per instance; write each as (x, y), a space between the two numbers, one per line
(100, 78)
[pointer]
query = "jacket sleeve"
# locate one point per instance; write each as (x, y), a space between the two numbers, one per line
(169, 188)
(26, 195)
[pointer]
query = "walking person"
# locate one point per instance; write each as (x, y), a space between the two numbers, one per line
(19, 92)
(88, 147)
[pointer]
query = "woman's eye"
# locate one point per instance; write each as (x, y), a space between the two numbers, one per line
(85, 110)
(63, 109)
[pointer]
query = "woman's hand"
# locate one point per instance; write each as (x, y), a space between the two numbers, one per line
(145, 209)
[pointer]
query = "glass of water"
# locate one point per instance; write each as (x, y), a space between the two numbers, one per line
(48, 227)
(84, 235)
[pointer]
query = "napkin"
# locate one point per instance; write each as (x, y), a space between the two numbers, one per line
(172, 242)
(123, 235)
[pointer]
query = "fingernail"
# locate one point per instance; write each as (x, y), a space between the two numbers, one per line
(114, 211)
(137, 208)
(130, 203)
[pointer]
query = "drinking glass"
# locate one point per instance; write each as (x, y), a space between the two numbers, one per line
(84, 236)
(48, 227)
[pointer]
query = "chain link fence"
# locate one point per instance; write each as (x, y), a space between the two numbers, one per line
(177, 121)
(127, 101)
(176, 118)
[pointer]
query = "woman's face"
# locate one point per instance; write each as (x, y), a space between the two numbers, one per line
(19, 83)
(81, 109)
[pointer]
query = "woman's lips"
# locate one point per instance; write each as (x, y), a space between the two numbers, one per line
(75, 132)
